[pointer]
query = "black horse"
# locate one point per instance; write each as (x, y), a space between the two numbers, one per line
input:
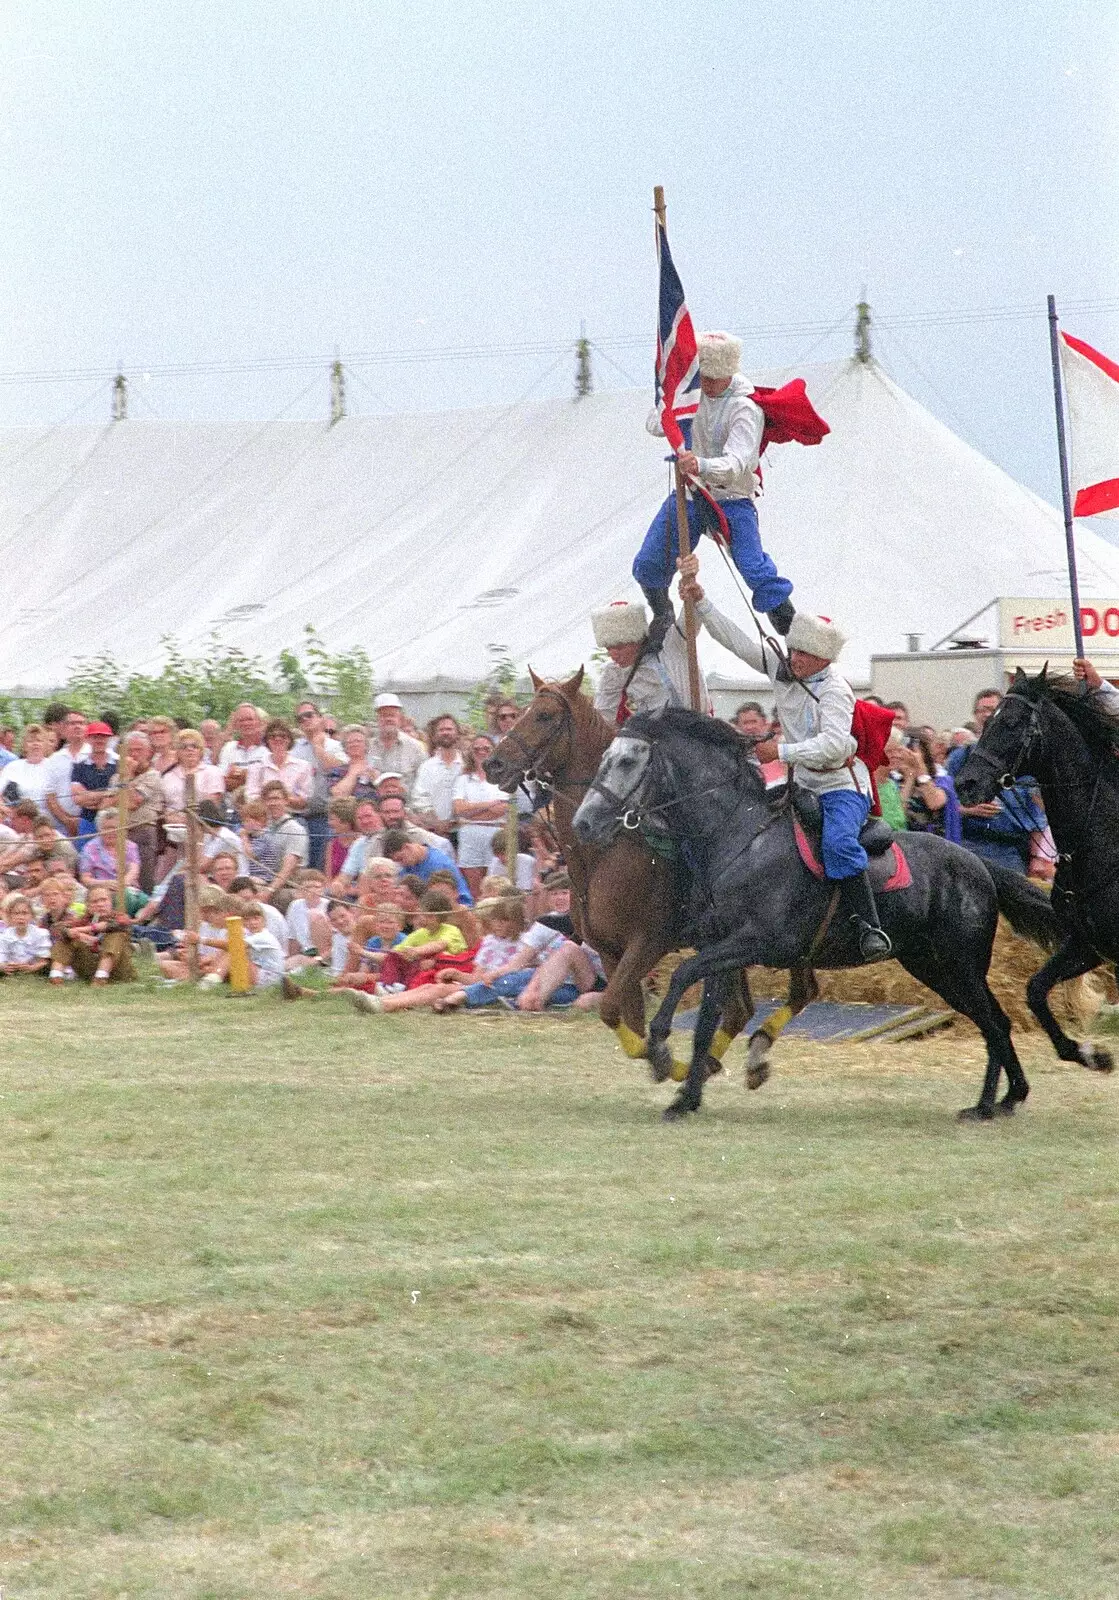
(691, 778)
(1059, 734)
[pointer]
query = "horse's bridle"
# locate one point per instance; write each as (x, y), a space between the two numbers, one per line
(633, 818)
(534, 770)
(1008, 778)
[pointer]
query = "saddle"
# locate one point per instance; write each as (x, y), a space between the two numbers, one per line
(888, 867)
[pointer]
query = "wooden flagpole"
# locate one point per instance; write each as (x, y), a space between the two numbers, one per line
(1066, 493)
(682, 533)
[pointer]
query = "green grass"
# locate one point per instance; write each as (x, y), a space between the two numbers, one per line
(293, 1302)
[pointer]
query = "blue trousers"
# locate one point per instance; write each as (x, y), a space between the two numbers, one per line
(512, 985)
(653, 570)
(845, 811)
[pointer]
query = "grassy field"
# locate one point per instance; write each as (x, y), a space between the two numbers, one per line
(295, 1302)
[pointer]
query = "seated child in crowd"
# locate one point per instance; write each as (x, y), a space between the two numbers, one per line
(96, 944)
(308, 927)
(546, 968)
(384, 930)
(502, 918)
(265, 953)
(24, 947)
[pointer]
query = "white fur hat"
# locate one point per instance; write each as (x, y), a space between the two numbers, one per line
(718, 354)
(818, 636)
(621, 622)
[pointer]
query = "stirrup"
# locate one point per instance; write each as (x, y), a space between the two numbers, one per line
(874, 942)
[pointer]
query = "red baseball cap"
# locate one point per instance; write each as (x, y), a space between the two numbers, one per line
(93, 729)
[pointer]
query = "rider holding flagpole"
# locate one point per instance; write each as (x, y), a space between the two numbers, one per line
(815, 705)
(726, 443)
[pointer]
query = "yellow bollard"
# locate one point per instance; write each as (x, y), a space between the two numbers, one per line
(239, 979)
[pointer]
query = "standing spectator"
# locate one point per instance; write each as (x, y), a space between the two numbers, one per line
(479, 807)
(190, 751)
(751, 720)
(281, 847)
(145, 804)
(326, 759)
(392, 750)
(359, 781)
(280, 766)
(59, 801)
(932, 804)
(7, 745)
(343, 832)
(506, 713)
(1007, 829)
(433, 790)
(901, 718)
(162, 731)
(245, 747)
(391, 804)
(92, 777)
(26, 778)
(213, 737)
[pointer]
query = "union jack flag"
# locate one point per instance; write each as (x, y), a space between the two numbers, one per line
(677, 369)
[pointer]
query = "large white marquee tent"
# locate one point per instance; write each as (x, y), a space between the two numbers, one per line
(438, 542)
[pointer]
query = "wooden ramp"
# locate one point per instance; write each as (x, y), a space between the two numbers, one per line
(846, 1021)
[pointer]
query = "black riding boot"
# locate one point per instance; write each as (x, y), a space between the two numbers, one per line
(782, 617)
(858, 903)
(663, 616)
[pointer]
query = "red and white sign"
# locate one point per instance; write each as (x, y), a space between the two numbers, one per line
(1092, 391)
(1039, 625)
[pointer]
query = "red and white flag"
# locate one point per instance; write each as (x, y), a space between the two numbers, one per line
(1092, 391)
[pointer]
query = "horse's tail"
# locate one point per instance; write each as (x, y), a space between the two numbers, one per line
(1027, 908)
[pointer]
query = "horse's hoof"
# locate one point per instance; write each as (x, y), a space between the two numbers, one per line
(757, 1075)
(974, 1114)
(1096, 1058)
(675, 1111)
(661, 1064)
(712, 1066)
(1006, 1107)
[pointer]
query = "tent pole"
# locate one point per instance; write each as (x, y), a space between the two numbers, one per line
(683, 536)
(1066, 495)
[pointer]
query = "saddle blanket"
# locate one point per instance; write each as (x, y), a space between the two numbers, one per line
(888, 871)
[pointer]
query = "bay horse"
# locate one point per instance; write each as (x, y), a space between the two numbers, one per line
(1062, 737)
(690, 778)
(628, 899)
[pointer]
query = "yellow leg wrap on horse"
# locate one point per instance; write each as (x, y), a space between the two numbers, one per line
(679, 1071)
(720, 1044)
(632, 1043)
(773, 1025)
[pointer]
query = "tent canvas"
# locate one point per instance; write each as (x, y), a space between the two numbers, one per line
(440, 542)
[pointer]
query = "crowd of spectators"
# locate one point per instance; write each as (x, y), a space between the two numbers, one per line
(335, 847)
(377, 852)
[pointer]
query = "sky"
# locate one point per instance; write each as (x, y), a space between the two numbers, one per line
(446, 194)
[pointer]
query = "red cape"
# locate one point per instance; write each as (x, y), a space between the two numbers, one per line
(789, 415)
(872, 726)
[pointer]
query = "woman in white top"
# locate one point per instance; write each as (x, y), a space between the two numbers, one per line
(282, 767)
(30, 772)
(478, 807)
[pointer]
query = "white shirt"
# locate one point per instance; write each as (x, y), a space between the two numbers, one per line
(815, 720)
(60, 766)
(660, 680)
(433, 789)
(267, 956)
(31, 777)
(727, 438)
(233, 754)
(34, 945)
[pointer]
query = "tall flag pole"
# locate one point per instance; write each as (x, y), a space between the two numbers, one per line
(678, 393)
(1066, 493)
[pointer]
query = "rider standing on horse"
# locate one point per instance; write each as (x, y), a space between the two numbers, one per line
(815, 705)
(726, 444)
(641, 674)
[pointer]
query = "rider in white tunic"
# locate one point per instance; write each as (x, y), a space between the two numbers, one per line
(661, 678)
(815, 705)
